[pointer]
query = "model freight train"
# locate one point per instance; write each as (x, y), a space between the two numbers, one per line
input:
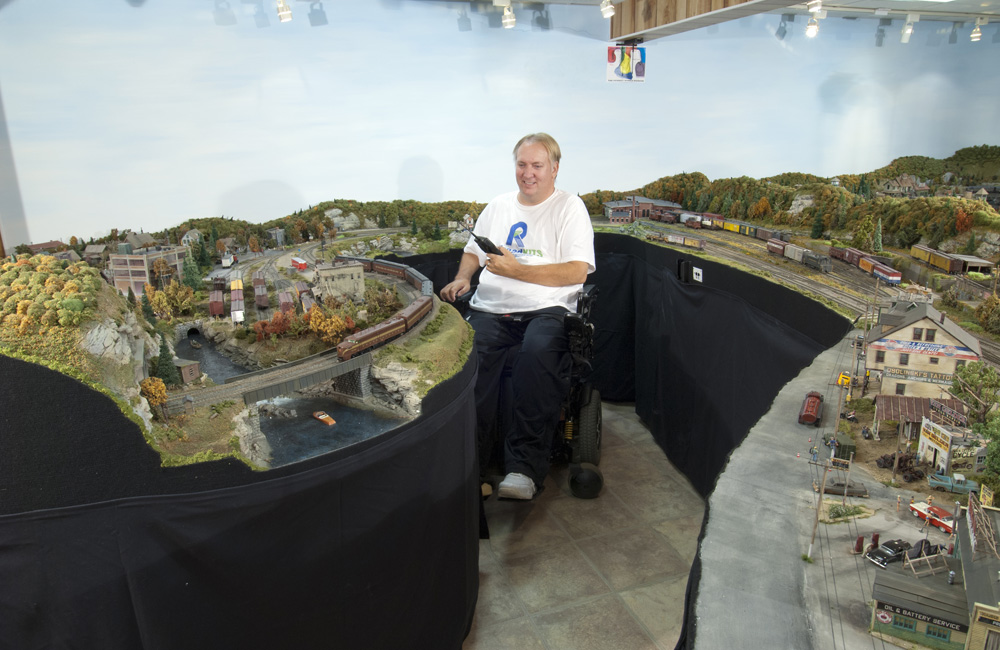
(777, 240)
(937, 259)
(867, 263)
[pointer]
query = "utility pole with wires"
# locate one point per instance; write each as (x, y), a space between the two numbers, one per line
(819, 503)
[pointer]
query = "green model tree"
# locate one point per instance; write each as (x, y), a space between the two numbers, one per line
(147, 309)
(192, 277)
(877, 240)
(978, 385)
(817, 227)
(165, 368)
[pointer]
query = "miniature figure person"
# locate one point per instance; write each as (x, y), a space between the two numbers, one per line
(547, 251)
(815, 452)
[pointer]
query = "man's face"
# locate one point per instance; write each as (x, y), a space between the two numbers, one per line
(535, 173)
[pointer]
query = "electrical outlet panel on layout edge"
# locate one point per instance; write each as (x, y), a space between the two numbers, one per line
(696, 273)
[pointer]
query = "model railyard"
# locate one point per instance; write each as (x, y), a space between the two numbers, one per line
(905, 583)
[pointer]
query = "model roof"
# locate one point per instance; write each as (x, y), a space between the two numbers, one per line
(905, 314)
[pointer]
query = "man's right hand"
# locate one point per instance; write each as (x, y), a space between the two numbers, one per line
(454, 289)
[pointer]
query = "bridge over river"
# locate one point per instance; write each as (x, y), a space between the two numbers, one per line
(352, 377)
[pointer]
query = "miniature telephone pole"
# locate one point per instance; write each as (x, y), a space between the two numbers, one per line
(819, 506)
(847, 484)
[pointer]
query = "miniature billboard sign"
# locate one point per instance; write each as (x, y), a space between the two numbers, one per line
(626, 63)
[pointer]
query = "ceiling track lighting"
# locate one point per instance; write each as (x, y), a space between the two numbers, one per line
(814, 6)
(607, 9)
(908, 27)
(812, 28)
(284, 11)
(509, 19)
(977, 32)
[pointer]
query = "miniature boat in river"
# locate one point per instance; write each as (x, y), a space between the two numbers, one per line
(324, 418)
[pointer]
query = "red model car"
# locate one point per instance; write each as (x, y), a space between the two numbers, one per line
(936, 515)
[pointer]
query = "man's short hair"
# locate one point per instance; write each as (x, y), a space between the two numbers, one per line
(546, 141)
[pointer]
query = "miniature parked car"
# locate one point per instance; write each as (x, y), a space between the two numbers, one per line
(837, 486)
(324, 418)
(936, 515)
(891, 551)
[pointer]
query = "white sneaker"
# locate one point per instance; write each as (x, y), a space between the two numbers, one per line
(516, 486)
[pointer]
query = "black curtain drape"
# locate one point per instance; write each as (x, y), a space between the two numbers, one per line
(372, 546)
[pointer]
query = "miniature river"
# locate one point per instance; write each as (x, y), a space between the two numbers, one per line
(301, 437)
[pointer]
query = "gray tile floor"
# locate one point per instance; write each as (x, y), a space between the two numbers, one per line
(561, 573)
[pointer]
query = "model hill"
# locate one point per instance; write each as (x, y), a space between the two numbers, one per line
(796, 199)
(939, 213)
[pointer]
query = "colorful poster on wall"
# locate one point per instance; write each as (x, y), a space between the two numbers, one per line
(626, 63)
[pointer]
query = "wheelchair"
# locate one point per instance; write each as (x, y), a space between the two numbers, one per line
(576, 441)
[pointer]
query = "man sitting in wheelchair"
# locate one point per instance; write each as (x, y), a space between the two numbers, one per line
(517, 312)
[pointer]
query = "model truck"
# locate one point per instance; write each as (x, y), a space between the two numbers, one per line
(954, 483)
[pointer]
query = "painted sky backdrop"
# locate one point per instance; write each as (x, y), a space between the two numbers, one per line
(131, 114)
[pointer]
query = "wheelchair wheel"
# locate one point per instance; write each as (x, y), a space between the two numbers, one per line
(589, 430)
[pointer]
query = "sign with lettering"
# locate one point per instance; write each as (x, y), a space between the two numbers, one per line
(988, 620)
(949, 412)
(920, 616)
(941, 378)
(986, 496)
(922, 347)
(935, 436)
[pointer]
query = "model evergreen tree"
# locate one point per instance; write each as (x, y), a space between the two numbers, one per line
(165, 368)
(877, 240)
(817, 227)
(413, 227)
(204, 258)
(971, 245)
(192, 277)
(131, 297)
(147, 309)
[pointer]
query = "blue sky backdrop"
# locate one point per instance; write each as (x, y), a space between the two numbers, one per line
(124, 116)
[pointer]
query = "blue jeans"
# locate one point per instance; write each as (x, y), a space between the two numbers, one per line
(534, 346)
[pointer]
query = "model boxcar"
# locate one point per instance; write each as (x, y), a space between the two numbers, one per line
(258, 279)
(236, 285)
(260, 297)
(236, 294)
(694, 242)
(285, 302)
(776, 246)
(852, 256)
(887, 274)
(945, 262)
(866, 263)
(215, 307)
(794, 252)
(764, 233)
(838, 253)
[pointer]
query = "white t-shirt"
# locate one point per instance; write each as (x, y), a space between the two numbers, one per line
(556, 230)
